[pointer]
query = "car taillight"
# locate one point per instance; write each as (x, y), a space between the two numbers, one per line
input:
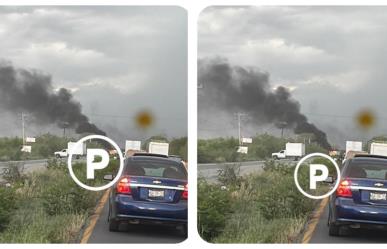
(123, 186)
(184, 195)
(344, 189)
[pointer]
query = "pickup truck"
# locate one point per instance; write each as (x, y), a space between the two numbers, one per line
(62, 153)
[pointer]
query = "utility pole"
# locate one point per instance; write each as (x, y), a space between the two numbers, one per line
(64, 125)
(23, 128)
(282, 126)
(239, 114)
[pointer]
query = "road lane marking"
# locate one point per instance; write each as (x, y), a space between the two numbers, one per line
(314, 221)
(94, 218)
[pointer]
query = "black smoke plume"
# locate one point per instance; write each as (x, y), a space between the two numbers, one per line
(32, 92)
(235, 88)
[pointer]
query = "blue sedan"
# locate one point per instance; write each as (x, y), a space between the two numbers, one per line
(152, 189)
(360, 201)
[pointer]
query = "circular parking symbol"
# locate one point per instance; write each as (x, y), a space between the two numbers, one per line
(80, 143)
(316, 197)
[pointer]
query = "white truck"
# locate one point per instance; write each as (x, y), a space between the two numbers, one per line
(379, 149)
(132, 145)
(158, 148)
(78, 151)
(353, 146)
(292, 151)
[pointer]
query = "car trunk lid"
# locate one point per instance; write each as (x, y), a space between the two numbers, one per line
(151, 189)
(369, 191)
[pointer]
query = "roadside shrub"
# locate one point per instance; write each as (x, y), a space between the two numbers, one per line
(281, 168)
(51, 207)
(33, 225)
(61, 195)
(7, 205)
(264, 207)
(55, 164)
(281, 199)
(214, 205)
(14, 173)
(251, 227)
(229, 175)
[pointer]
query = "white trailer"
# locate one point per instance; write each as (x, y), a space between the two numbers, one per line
(295, 149)
(132, 145)
(158, 148)
(78, 151)
(353, 146)
(379, 149)
(292, 150)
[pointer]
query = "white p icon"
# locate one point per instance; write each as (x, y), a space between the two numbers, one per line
(314, 178)
(91, 165)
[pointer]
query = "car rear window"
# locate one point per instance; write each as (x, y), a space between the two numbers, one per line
(368, 169)
(156, 168)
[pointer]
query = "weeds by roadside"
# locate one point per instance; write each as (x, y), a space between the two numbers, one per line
(258, 208)
(14, 173)
(46, 206)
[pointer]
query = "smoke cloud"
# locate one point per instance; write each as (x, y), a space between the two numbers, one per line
(32, 92)
(240, 89)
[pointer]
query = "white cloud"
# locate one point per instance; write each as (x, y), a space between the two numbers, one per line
(279, 48)
(345, 82)
(129, 83)
(62, 51)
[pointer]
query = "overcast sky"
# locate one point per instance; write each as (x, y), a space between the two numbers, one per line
(116, 61)
(333, 60)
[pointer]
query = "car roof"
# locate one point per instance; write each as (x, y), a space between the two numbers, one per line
(151, 157)
(368, 158)
(136, 154)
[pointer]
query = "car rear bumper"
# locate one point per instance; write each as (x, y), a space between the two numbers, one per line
(125, 208)
(348, 212)
(146, 219)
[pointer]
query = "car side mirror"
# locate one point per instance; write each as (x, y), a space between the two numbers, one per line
(329, 180)
(108, 177)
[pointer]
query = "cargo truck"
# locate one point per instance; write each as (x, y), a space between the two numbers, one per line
(353, 146)
(379, 149)
(292, 151)
(158, 148)
(78, 151)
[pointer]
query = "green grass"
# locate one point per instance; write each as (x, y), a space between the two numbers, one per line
(261, 208)
(49, 206)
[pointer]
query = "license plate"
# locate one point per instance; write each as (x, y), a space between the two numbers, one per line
(156, 193)
(378, 196)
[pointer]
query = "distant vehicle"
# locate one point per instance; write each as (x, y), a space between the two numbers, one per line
(158, 148)
(360, 201)
(62, 153)
(153, 189)
(378, 149)
(77, 151)
(132, 145)
(292, 151)
(351, 154)
(130, 152)
(353, 146)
